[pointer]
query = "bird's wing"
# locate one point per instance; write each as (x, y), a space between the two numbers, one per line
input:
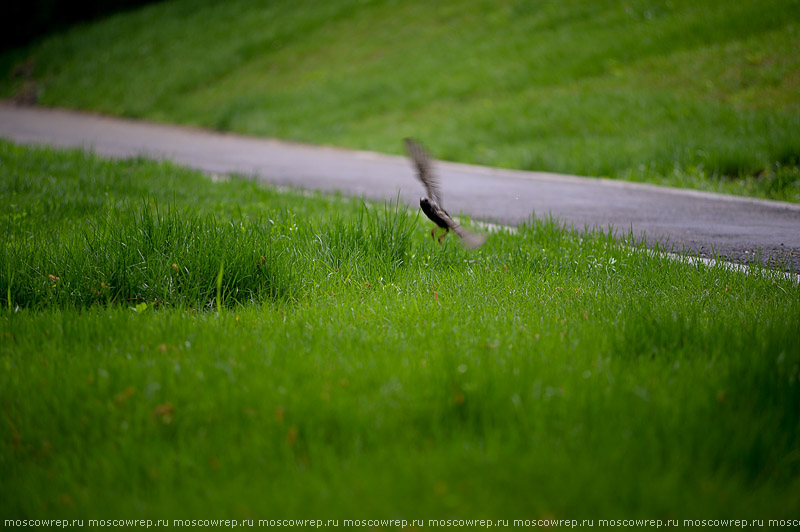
(424, 169)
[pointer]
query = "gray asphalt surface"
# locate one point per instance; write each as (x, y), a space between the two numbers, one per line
(684, 221)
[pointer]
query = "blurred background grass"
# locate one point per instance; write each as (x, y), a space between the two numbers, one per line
(695, 94)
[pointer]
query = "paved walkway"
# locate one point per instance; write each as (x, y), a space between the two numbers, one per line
(702, 223)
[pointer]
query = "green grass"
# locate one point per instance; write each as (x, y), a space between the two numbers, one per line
(370, 373)
(695, 94)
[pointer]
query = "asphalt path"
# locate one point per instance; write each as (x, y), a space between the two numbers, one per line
(684, 221)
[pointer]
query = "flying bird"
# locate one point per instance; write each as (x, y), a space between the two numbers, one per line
(431, 202)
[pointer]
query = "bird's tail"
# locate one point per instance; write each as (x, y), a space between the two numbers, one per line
(471, 240)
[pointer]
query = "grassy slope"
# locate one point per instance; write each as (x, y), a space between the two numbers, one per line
(679, 92)
(548, 374)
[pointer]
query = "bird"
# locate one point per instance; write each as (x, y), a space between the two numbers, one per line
(431, 202)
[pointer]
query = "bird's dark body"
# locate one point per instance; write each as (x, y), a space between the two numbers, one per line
(430, 212)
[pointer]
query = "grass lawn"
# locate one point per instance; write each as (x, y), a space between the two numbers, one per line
(175, 347)
(687, 93)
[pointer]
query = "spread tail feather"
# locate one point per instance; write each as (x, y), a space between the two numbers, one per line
(471, 240)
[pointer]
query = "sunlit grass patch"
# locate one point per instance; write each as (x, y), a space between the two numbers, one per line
(148, 254)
